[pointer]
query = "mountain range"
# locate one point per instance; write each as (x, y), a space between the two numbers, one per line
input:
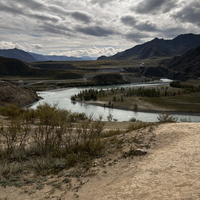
(18, 54)
(184, 65)
(158, 48)
(33, 57)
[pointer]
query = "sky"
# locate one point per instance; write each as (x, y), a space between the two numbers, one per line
(93, 27)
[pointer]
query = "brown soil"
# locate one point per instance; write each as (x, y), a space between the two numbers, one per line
(170, 170)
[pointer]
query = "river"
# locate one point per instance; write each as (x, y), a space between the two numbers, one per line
(62, 98)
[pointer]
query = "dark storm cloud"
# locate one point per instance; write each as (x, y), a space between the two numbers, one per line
(81, 16)
(11, 10)
(95, 31)
(128, 20)
(146, 26)
(29, 4)
(101, 3)
(154, 6)
(45, 17)
(24, 8)
(77, 15)
(136, 37)
(190, 13)
(55, 29)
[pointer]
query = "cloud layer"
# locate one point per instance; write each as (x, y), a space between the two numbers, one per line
(78, 27)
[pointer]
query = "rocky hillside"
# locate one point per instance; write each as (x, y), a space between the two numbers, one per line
(158, 48)
(12, 94)
(186, 66)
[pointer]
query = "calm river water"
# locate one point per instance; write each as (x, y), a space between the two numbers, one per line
(62, 97)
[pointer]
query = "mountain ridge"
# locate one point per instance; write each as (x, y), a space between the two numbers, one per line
(17, 54)
(33, 57)
(158, 47)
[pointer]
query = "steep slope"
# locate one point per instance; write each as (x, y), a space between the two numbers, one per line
(152, 50)
(12, 94)
(18, 54)
(185, 66)
(158, 47)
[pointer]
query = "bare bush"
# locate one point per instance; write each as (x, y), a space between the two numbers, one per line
(166, 117)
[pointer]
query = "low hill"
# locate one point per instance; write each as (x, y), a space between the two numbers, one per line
(108, 79)
(186, 66)
(18, 54)
(55, 65)
(158, 48)
(13, 67)
(12, 94)
(16, 68)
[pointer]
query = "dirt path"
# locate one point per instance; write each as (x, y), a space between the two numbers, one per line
(170, 170)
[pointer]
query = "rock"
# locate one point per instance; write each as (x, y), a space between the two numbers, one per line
(139, 152)
(12, 94)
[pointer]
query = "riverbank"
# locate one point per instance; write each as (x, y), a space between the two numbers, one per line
(102, 104)
(183, 106)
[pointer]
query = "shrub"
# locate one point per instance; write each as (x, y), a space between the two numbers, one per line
(12, 111)
(165, 117)
(132, 119)
(110, 117)
(54, 139)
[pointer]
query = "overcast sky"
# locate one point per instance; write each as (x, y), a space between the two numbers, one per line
(93, 27)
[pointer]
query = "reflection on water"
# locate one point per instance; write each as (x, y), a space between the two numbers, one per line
(62, 98)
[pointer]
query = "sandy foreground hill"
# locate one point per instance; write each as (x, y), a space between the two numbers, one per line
(170, 170)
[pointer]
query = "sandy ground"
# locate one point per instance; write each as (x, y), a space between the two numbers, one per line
(170, 170)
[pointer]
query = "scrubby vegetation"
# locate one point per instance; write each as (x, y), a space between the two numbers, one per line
(174, 97)
(49, 140)
(166, 117)
(119, 94)
(47, 137)
(187, 88)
